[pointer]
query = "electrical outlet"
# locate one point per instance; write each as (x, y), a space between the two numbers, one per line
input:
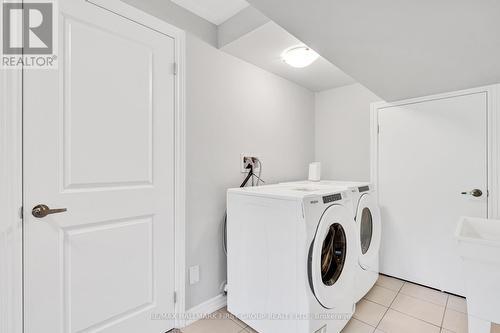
(245, 159)
(194, 274)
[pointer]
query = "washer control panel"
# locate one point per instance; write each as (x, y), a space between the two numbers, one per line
(332, 198)
(363, 189)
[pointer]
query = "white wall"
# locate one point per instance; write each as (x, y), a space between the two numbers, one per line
(399, 49)
(176, 15)
(234, 107)
(342, 137)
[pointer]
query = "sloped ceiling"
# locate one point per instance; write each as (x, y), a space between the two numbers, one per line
(263, 47)
(399, 48)
(215, 11)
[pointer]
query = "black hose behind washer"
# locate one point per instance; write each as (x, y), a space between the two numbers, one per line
(224, 223)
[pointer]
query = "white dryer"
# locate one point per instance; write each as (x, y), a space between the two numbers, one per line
(369, 227)
(292, 257)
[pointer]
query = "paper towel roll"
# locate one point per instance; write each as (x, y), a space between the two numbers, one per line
(315, 172)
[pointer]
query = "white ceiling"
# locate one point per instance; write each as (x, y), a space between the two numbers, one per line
(399, 48)
(263, 47)
(215, 11)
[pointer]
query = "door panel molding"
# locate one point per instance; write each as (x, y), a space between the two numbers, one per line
(138, 302)
(110, 172)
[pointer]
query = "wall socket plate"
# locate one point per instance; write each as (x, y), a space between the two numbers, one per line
(194, 274)
(243, 159)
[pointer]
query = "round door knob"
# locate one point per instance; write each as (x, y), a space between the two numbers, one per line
(475, 193)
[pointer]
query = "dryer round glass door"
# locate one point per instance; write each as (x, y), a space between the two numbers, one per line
(369, 231)
(332, 258)
(366, 229)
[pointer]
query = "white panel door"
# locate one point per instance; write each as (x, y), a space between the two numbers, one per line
(429, 153)
(99, 141)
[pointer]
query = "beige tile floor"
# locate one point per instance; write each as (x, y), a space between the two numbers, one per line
(392, 306)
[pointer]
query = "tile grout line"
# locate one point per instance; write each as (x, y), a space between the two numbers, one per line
(426, 301)
(364, 322)
(399, 289)
(408, 315)
(243, 328)
(233, 319)
(389, 308)
(397, 292)
(444, 313)
(385, 313)
(386, 307)
(421, 300)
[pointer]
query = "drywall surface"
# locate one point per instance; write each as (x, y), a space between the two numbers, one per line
(239, 25)
(399, 49)
(174, 14)
(234, 107)
(342, 137)
(263, 47)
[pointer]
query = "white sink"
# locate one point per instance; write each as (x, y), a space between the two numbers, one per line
(479, 247)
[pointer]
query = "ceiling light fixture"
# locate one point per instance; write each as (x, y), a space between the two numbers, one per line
(299, 56)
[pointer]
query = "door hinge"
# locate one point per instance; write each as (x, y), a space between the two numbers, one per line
(175, 68)
(378, 129)
(21, 210)
(175, 297)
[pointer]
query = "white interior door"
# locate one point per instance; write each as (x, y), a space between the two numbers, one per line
(99, 141)
(428, 154)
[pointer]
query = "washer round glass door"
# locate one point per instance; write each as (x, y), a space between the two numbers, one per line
(333, 254)
(332, 258)
(369, 227)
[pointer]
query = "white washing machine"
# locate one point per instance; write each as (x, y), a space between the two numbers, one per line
(292, 257)
(367, 217)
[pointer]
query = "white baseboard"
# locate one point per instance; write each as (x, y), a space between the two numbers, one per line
(199, 311)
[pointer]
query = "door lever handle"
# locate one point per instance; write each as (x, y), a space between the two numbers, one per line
(40, 211)
(475, 193)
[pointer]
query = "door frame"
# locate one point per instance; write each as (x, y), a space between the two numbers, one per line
(493, 138)
(11, 246)
(11, 159)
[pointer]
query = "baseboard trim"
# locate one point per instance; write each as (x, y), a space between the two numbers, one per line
(201, 310)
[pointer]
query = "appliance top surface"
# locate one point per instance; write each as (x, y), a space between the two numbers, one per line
(331, 183)
(290, 190)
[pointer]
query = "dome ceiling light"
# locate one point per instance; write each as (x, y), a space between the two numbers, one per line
(299, 56)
